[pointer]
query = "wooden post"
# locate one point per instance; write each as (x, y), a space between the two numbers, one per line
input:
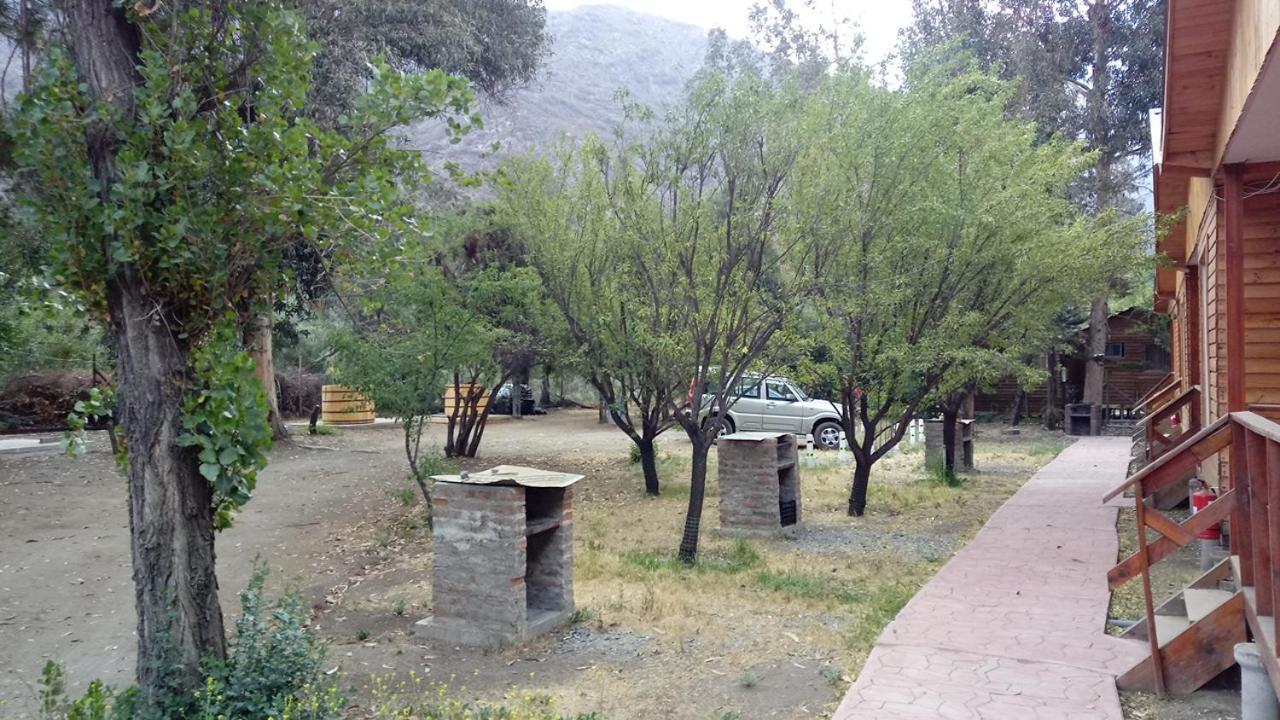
(1157, 663)
(1273, 511)
(1195, 374)
(1255, 474)
(1233, 229)
(1233, 235)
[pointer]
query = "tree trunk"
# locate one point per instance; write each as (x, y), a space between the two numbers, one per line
(649, 463)
(1053, 404)
(1095, 361)
(170, 505)
(950, 416)
(481, 421)
(1099, 17)
(517, 397)
(603, 408)
(697, 492)
(545, 398)
(861, 481)
(258, 343)
(1019, 407)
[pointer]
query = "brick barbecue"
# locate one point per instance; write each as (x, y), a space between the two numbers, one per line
(503, 556)
(759, 483)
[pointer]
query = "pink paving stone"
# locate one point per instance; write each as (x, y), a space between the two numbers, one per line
(1012, 627)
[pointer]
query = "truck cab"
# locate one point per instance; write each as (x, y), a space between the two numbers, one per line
(775, 404)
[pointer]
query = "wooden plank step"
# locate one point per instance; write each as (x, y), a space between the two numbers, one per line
(1195, 655)
(1202, 601)
(1169, 627)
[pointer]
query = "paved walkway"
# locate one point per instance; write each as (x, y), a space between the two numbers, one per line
(1012, 627)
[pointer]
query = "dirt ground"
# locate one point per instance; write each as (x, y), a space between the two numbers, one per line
(769, 629)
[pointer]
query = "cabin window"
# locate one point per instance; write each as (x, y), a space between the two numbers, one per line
(1115, 349)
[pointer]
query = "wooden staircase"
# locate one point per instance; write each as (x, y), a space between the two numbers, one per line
(1192, 634)
(1197, 629)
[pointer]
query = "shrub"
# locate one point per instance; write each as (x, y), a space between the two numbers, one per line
(272, 659)
(272, 670)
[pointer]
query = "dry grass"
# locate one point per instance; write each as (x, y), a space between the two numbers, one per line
(759, 628)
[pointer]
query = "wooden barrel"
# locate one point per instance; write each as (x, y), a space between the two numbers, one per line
(465, 390)
(341, 405)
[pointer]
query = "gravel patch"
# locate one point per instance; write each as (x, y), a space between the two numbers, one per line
(610, 643)
(834, 540)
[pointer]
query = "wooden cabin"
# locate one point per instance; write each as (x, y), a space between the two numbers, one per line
(1137, 359)
(1217, 156)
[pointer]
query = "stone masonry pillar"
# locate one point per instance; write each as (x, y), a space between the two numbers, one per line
(479, 564)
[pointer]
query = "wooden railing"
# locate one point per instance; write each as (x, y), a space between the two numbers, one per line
(1250, 499)
(1158, 395)
(1163, 428)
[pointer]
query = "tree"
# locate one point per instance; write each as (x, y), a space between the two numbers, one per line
(168, 167)
(509, 302)
(416, 331)
(498, 44)
(945, 236)
(700, 264)
(1089, 70)
(563, 210)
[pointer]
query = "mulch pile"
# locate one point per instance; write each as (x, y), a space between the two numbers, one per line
(40, 402)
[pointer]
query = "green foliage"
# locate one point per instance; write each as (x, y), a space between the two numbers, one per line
(407, 496)
(225, 417)
(99, 702)
(832, 674)
(497, 44)
(210, 195)
(667, 257)
(740, 557)
(440, 314)
(99, 406)
(272, 670)
(948, 242)
(273, 659)
(1051, 55)
(945, 477)
(324, 428)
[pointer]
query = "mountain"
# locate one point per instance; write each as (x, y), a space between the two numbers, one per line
(596, 50)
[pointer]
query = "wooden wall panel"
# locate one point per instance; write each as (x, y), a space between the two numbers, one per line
(1214, 318)
(1211, 265)
(1262, 298)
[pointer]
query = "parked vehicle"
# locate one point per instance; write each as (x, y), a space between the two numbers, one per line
(776, 404)
(502, 401)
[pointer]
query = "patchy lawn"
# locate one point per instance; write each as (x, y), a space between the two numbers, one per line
(762, 628)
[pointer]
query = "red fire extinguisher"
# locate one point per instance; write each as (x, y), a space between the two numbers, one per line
(1200, 500)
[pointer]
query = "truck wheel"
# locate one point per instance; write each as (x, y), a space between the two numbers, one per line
(726, 425)
(826, 435)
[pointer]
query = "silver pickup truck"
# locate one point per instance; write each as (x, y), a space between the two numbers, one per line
(775, 404)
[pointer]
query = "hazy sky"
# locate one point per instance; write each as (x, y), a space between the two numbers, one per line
(878, 20)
